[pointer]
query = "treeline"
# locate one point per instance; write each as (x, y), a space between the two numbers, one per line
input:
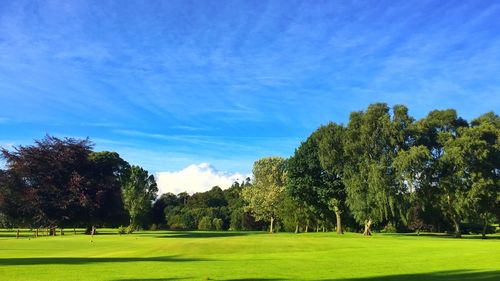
(383, 171)
(388, 171)
(62, 183)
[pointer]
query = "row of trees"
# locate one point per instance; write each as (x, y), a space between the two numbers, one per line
(383, 170)
(63, 183)
(388, 170)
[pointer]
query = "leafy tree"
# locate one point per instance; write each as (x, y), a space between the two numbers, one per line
(108, 173)
(166, 200)
(269, 183)
(138, 194)
(47, 180)
(332, 159)
(474, 158)
(308, 183)
(370, 145)
(443, 183)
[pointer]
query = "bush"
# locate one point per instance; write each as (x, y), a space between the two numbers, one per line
(389, 228)
(205, 223)
(177, 226)
(122, 230)
(154, 226)
(131, 229)
(217, 223)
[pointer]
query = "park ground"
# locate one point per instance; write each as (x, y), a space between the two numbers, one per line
(167, 255)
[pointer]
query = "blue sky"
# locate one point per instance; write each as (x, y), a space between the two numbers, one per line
(172, 83)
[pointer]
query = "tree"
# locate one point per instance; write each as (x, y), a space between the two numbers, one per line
(371, 142)
(332, 159)
(269, 183)
(444, 184)
(166, 200)
(47, 180)
(103, 201)
(474, 155)
(138, 194)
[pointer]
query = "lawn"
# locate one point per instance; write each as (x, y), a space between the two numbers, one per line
(164, 255)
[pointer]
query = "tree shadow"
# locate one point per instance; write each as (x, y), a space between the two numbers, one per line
(204, 234)
(444, 235)
(152, 279)
(452, 275)
(76, 261)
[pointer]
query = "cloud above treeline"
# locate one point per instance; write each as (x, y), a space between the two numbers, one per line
(196, 178)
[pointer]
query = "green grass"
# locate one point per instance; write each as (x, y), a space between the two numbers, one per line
(166, 255)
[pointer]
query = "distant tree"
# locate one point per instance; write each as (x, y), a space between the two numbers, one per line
(269, 182)
(139, 192)
(165, 202)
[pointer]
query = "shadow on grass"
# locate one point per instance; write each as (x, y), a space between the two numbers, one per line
(204, 234)
(455, 275)
(76, 261)
(443, 235)
(153, 279)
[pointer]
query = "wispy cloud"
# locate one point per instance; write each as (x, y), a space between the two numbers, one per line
(214, 82)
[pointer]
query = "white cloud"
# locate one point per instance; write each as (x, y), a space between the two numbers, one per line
(196, 178)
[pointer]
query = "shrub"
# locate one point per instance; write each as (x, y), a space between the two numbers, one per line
(217, 223)
(177, 226)
(389, 228)
(205, 223)
(130, 229)
(122, 230)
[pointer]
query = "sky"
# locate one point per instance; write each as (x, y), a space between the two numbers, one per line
(202, 89)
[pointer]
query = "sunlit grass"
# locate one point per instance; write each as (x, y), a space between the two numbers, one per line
(163, 255)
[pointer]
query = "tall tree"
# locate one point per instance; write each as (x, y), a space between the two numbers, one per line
(370, 146)
(138, 194)
(268, 185)
(443, 183)
(332, 159)
(474, 155)
(107, 175)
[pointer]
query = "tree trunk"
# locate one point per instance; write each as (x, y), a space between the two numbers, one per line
(339, 223)
(297, 228)
(317, 228)
(17, 234)
(307, 228)
(36, 232)
(62, 231)
(324, 229)
(271, 229)
(368, 225)
(485, 225)
(456, 223)
(92, 234)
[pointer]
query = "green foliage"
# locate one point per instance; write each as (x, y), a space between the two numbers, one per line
(217, 224)
(269, 182)
(122, 230)
(139, 191)
(205, 223)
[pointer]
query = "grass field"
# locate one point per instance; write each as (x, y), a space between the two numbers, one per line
(163, 255)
